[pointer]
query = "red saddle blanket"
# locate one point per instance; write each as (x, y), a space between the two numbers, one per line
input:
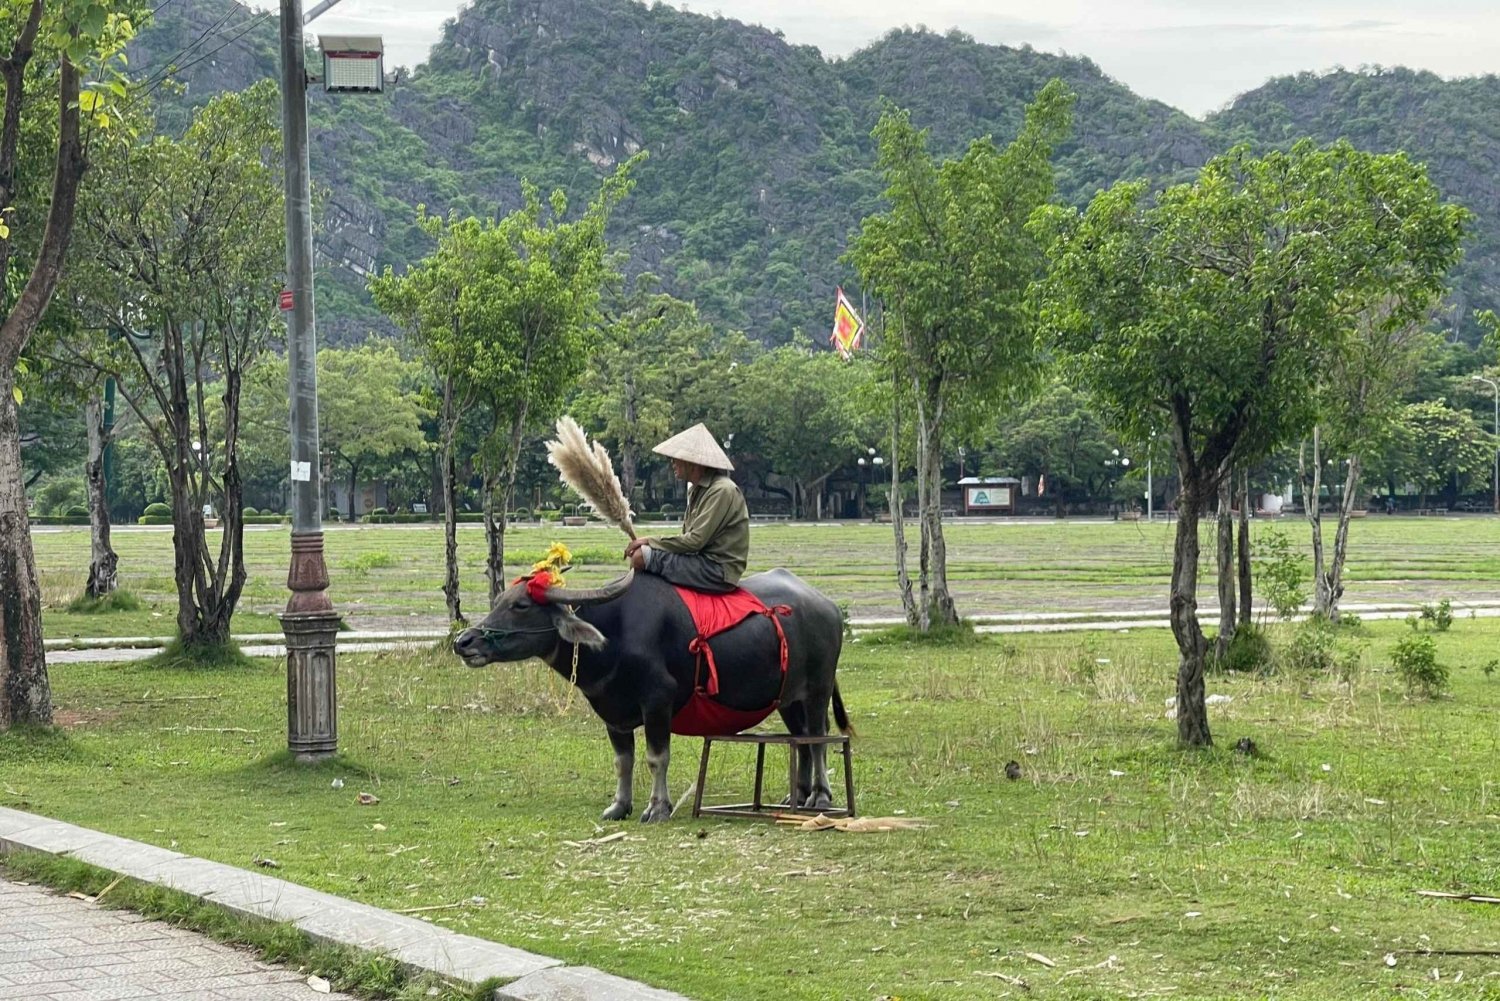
(703, 716)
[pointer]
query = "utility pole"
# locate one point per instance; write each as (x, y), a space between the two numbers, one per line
(309, 622)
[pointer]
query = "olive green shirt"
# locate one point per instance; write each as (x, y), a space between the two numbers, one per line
(716, 524)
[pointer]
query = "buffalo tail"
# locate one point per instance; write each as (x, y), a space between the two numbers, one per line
(839, 715)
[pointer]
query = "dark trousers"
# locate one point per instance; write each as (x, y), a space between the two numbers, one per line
(692, 570)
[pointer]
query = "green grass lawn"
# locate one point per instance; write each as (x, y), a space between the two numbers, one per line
(389, 576)
(1137, 869)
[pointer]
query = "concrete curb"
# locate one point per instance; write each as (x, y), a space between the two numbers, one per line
(331, 919)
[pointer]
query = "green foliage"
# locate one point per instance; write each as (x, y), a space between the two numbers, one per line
(504, 311)
(1280, 572)
(1317, 648)
(158, 509)
(362, 563)
(958, 634)
(1215, 305)
(1439, 614)
(1415, 659)
(180, 656)
(114, 601)
(59, 494)
(1432, 444)
(1250, 651)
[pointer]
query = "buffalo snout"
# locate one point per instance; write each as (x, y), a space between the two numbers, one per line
(469, 645)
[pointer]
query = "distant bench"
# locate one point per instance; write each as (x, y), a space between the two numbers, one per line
(1424, 511)
(770, 517)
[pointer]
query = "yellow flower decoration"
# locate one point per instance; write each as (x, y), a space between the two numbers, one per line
(557, 559)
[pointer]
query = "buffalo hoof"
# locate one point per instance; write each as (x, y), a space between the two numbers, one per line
(617, 811)
(820, 800)
(656, 813)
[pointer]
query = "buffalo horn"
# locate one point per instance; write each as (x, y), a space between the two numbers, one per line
(590, 595)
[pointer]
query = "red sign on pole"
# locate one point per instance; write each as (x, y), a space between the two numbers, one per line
(286, 298)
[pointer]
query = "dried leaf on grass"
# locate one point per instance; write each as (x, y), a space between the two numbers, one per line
(593, 842)
(1473, 898)
(1006, 977)
(1039, 958)
(854, 825)
(320, 985)
(368, 799)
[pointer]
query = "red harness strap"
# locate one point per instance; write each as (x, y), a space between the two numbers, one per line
(713, 614)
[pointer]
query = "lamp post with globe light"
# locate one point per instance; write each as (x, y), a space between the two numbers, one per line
(1120, 462)
(869, 461)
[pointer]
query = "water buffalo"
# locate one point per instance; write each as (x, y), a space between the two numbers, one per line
(631, 639)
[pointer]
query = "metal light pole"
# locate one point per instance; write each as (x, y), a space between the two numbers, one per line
(1496, 387)
(309, 622)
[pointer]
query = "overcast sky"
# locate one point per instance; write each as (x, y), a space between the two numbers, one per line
(1193, 54)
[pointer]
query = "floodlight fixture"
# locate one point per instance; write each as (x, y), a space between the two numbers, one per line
(353, 64)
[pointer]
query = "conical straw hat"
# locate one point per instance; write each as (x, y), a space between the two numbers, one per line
(696, 444)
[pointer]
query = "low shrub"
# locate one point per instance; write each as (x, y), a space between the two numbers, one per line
(1440, 615)
(1416, 663)
(962, 634)
(379, 510)
(399, 519)
(266, 519)
(362, 563)
(1249, 651)
(249, 512)
(59, 519)
(157, 509)
(115, 601)
(155, 519)
(76, 510)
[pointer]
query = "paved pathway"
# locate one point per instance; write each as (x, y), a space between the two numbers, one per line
(59, 948)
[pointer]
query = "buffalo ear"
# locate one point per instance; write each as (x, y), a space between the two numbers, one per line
(574, 630)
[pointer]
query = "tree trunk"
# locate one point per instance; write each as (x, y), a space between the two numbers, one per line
(1192, 711)
(25, 694)
(1312, 490)
(1225, 565)
(627, 443)
(898, 519)
(505, 481)
(924, 551)
(939, 603)
(102, 559)
(353, 486)
(1335, 576)
(450, 510)
(1242, 548)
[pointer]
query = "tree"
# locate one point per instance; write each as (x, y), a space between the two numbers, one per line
(1213, 310)
(1436, 447)
(61, 41)
(1358, 401)
(802, 416)
(651, 344)
(368, 407)
(952, 259)
(1058, 436)
(507, 310)
(186, 271)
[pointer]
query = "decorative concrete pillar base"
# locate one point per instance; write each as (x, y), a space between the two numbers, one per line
(311, 627)
(312, 716)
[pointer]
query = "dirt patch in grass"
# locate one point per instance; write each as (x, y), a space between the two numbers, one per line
(80, 719)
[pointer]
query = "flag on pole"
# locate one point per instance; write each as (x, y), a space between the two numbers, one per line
(847, 326)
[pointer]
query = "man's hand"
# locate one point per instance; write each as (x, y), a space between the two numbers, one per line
(633, 554)
(633, 546)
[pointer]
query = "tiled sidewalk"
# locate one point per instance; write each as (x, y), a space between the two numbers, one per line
(59, 948)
